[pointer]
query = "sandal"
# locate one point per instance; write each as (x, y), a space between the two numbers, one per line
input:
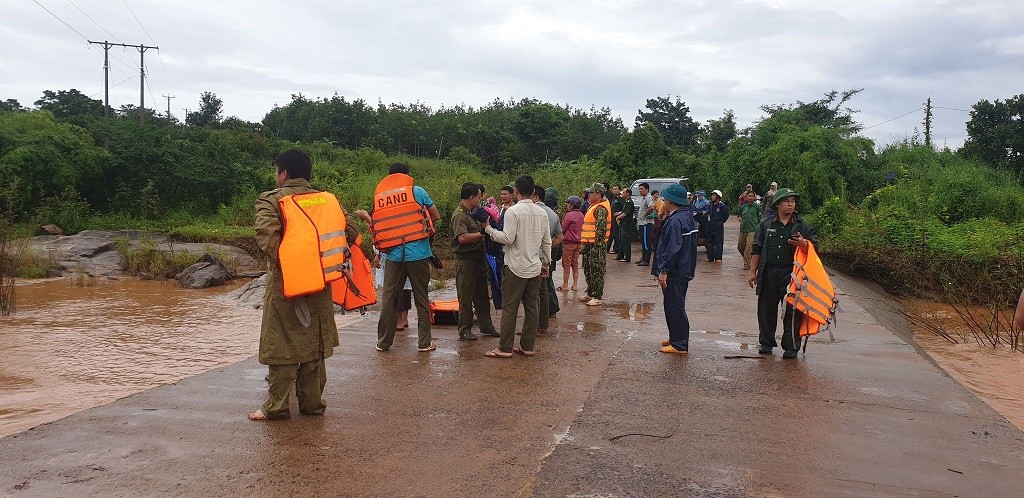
(524, 352)
(497, 353)
(560, 288)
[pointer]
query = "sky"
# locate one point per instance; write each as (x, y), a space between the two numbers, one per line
(713, 55)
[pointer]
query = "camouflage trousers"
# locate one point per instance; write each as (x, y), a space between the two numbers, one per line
(593, 269)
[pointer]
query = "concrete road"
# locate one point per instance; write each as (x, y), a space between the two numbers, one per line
(598, 412)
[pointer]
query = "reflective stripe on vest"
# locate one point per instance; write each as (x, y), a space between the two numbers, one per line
(397, 217)
(313, 249)
(811, 292)
(588, 234)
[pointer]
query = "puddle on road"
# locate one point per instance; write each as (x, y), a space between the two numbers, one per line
(71, 348)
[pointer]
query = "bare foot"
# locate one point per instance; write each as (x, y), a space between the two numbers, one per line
(257, 415)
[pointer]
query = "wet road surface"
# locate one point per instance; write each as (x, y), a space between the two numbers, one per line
(598, 411)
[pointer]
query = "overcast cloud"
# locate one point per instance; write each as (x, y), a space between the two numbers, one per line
(714, 55)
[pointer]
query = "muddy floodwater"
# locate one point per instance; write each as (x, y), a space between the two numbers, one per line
(996, 375)
(70, 348)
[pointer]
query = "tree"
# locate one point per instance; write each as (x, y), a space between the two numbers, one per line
(718, 132)
(827, 112)
(995, 134)
(210, 111)
(69, 103)
(673, 120)
(12, 105)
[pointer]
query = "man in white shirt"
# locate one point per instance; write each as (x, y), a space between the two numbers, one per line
(526, 228)
(645, 224)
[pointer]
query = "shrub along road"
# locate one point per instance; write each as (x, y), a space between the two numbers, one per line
(598, 411)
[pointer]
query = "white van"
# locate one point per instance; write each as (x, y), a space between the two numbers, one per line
(658, 184)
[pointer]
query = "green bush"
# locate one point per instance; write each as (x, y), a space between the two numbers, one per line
(68, 210)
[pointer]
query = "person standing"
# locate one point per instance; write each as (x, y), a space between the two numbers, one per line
(471, 268)
(572, 224)
(615, 199)
(627, 223)
(771, 269)
(296, 334)
(403, 222)
(767, 201)
(750, 217)
(675, 260)
(718, 214)
(597, 228)
(526, 229)
(645, 224)
(547, 287)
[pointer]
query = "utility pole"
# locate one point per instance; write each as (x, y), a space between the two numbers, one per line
(928, 122)
(106, 75)
(168, 97)
(185, 121)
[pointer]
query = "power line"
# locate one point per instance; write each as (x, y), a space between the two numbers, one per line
(894, 119)
(144, 30)
(951, 108)
(112, 35)
(61, 20)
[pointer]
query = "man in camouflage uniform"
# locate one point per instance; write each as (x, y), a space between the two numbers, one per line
(299, 333)
(594, 253)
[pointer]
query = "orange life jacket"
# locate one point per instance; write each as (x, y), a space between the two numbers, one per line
(356, 290)
(397, 217)
(313, 248)
(811, 292)
(589, 233)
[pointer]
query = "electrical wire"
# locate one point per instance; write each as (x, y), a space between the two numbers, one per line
(61, 20)
(160, 57)
(894, 119)
(950, 108)
(112, 35)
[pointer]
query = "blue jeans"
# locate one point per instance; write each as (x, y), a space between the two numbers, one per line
(675, 313)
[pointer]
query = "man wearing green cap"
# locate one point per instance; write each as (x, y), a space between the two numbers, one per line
(593, 239)
(771, 262)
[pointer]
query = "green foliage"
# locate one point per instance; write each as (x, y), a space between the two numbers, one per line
(68, 210)
(996, 134)
(151, 260)
(672, 119)
(210, 111)
(831, 218)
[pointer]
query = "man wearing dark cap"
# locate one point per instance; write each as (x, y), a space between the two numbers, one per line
(771, 263)
(471, 269)
(593, 239)
(675, 259)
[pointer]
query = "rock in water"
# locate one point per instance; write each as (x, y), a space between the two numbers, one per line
(208, 272)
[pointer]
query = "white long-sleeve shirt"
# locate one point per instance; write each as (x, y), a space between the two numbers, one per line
(526, 229)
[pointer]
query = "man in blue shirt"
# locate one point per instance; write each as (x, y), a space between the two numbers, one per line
(675, 259)
(409, 260)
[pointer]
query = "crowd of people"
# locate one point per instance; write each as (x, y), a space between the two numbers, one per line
(507, 251)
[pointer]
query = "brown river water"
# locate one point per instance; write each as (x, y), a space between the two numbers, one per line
(996, 375)
(70, 348)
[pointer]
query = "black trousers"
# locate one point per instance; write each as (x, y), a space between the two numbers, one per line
(774, 282)
(646, 241)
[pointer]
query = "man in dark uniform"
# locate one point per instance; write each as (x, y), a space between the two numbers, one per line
(471, 268)
(675, 259)
(297, 334)
(718, 214)
(771, 266)
(627, 224)
(615, 198)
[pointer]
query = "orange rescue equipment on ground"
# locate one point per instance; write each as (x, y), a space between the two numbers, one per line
(397, 217)
(811, 293)
(589, 233)
(356, 290)
(313, 248)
